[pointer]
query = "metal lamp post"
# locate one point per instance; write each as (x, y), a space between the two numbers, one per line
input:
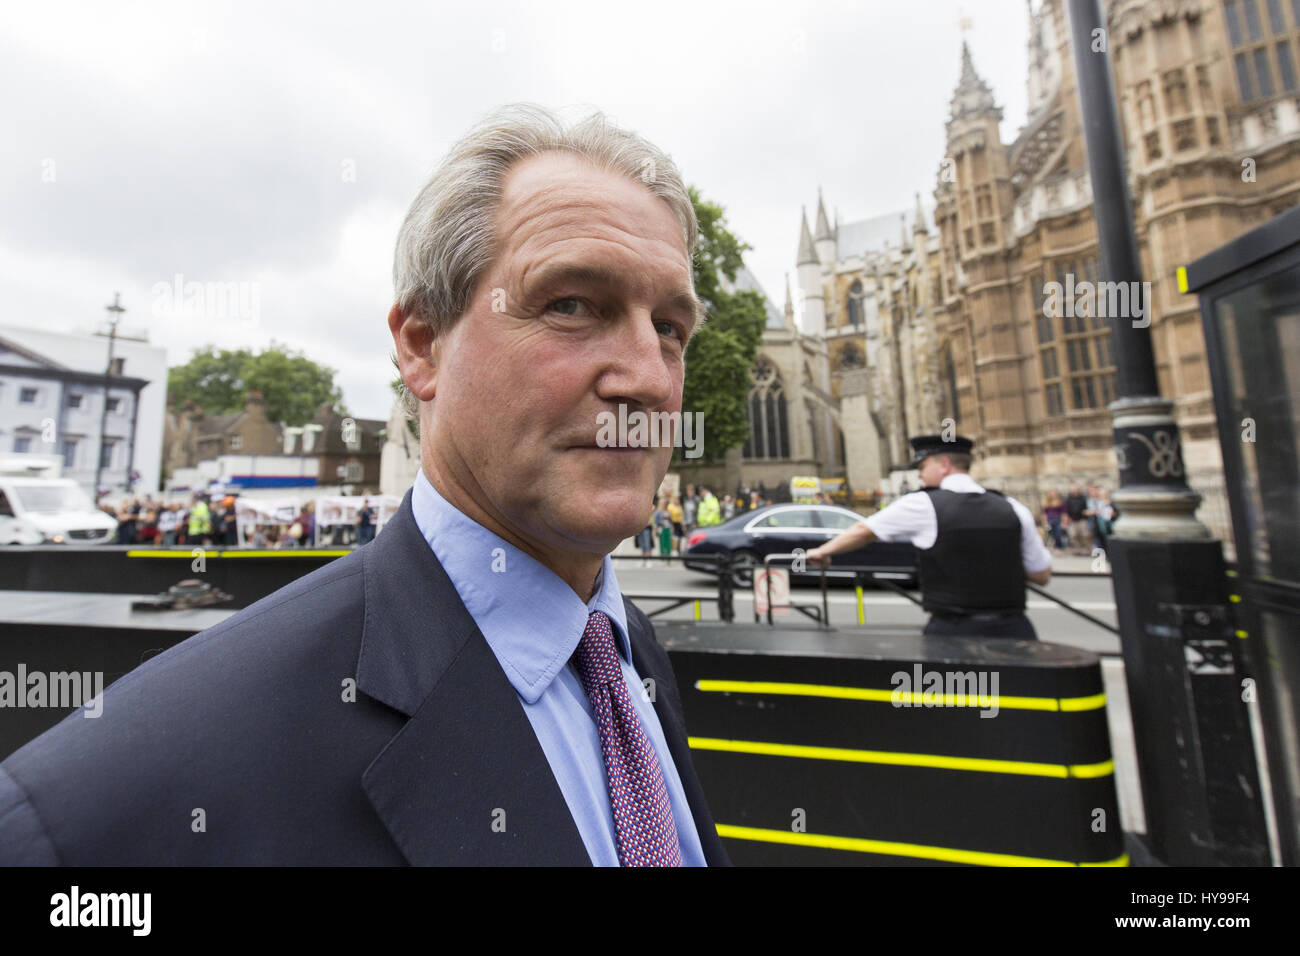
(114, 316)
(1199, 778)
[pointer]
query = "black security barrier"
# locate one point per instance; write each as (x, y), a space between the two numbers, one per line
(247, 575)
(812, 748)
(817, 748)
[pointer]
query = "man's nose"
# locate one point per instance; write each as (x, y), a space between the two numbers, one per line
(637, 370)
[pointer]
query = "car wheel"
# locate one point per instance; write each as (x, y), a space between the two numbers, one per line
(743, 563)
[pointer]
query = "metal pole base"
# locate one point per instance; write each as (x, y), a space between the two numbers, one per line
(1154, 501)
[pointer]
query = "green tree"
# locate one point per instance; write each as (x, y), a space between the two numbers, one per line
(292, 385)
(722, 352)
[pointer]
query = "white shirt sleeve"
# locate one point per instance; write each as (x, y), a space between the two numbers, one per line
(910, 518)
(1033, 553)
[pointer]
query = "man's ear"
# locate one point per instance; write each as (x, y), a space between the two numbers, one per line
(415, 351)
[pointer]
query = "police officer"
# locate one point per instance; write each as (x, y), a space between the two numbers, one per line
(977, 547)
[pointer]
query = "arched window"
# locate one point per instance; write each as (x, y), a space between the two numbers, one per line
(854, 303)
(851, 357)
(769, 432)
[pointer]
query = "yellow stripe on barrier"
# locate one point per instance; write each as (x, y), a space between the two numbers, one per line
(1182, 279)
(891, 848)
(895, 758)
(287, 553)
(169, 554)
(912, 698)
(1075, 704)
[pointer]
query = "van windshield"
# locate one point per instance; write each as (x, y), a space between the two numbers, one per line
(51, 499)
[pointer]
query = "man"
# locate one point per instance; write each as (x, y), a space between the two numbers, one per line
(200, 526)
(460, 690)
(1094, 511)
(689, 504)
(709, 512)
(1076, 509)
(976, 546)
(365, 524)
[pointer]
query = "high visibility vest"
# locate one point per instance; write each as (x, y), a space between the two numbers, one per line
(200, 519)
(709, 513)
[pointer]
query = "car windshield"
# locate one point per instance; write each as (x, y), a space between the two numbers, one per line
(52, 499)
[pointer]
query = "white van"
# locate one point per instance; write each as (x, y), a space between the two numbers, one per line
(50, 511)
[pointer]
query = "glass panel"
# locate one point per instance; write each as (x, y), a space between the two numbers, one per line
(773, 443)
(1263, 72)
(1286, 67)
(794, 518)
(838, 520)
(1234, 25)
(1243, 77)
(1260, 326)
(1253, 29)
(1054, 404)
(782, 450)
(1275, 16)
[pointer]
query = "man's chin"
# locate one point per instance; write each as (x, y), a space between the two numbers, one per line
(605, 523)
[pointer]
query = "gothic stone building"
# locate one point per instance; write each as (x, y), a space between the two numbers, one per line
(904, 321)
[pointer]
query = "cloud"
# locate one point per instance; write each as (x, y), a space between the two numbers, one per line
(282, 144)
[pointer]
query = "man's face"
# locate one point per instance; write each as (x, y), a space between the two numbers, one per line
(931, 471)
(589, 304)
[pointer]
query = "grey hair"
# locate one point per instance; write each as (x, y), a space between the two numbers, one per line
(448, 239)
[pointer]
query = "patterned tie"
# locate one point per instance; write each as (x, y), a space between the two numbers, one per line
(643, 816)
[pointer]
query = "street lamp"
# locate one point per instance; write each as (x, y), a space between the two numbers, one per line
(1196, 761)
(114, 316)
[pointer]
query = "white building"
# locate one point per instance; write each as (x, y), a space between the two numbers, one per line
(52, 403)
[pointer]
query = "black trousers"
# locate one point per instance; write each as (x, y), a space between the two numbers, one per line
(1016, 627)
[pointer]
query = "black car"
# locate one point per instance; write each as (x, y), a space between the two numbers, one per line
(780, 529)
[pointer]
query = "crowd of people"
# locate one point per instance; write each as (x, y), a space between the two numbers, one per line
(674, 517)
(206, 521)
(1078, 522)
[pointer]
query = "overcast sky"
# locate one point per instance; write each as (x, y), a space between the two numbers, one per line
(279, 144)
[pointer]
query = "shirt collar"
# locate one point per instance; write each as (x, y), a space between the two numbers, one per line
(960, 482)
(529, 616)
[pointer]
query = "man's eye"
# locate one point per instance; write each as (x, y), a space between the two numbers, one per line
(566, 306)
(673, 329)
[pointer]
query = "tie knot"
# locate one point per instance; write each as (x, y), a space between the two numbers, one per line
(596, 657)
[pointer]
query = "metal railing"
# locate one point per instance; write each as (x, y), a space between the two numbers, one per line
(820, 613)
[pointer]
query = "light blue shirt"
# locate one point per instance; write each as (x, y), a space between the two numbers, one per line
(533, 622)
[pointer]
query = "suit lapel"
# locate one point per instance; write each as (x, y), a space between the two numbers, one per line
(464, 782)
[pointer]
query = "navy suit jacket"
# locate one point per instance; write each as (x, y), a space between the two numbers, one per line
(241, 745)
